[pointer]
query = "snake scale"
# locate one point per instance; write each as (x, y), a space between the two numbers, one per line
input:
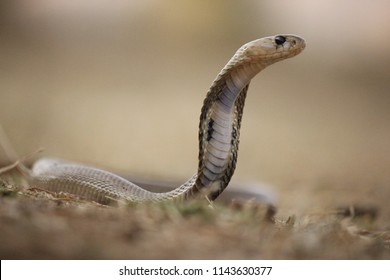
(219, 131)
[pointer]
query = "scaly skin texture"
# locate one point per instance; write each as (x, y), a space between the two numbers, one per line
(219, 130)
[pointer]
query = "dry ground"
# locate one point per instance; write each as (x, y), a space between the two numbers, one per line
(39, 225)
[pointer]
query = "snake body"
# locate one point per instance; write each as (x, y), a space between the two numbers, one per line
(219, 130)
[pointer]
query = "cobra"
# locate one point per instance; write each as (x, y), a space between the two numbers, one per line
(219, 131)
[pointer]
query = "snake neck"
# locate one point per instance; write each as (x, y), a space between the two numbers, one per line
(219, 127)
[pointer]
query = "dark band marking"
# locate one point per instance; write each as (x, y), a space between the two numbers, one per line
(210, 129)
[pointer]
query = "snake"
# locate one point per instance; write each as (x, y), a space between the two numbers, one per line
(219, 132)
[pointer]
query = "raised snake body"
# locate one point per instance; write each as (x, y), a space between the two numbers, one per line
(219, 130)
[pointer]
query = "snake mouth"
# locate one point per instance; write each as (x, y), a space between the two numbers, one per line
(292, 46)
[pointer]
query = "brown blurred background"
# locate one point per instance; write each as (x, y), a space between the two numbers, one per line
(119, 84)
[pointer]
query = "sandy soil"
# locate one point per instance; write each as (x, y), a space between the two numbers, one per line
(39, 225)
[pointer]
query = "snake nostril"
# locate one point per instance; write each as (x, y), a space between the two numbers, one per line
(279, 40)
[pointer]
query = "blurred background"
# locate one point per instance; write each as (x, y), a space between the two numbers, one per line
(119, 84)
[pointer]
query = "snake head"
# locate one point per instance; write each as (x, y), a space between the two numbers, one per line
(269, 50)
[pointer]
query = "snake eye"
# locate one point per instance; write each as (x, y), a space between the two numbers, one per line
(279, 40)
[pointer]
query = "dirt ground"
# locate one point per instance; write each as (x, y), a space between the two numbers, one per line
(121, 88)
(40, 225)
